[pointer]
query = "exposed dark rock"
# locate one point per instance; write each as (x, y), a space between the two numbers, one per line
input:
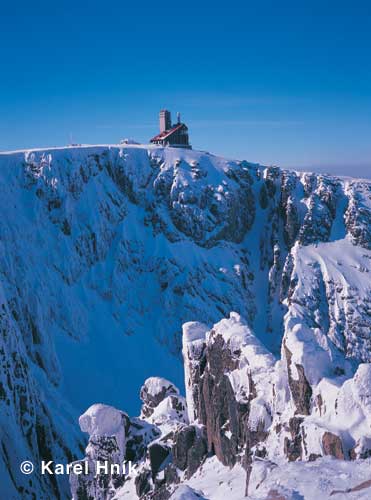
(162, 493)
(190, 448)
(361, 450)
(220, 417)
(219, 411)
(143, 483)
(292, 223)
(219, 357)
(158, 454)
(332, 445)
(138, 435)
(300, 389)
(196, 454)
(171, 474)
(184, 440)
(293, 447)
(280, 494)
(263, 197)
(247, 464)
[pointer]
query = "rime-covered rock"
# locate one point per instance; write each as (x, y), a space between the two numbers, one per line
(102, 423)
(153, 392)
(194, 343)
(107, 429)
(171, 409)
(224, 370)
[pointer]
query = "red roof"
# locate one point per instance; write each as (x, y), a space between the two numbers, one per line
(167, 133)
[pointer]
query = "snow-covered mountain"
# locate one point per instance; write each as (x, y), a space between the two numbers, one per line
(106, 251)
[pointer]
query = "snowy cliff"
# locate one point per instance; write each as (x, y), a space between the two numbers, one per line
(106, 251)
(250, 429)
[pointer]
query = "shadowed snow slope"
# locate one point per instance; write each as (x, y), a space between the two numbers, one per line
(105, 251)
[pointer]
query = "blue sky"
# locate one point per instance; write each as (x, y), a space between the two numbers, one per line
(285, 83)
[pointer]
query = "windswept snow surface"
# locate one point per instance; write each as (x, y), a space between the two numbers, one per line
(294, 481)
(324, 479)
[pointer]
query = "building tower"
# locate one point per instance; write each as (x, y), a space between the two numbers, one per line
(165, 120)
(175, 135)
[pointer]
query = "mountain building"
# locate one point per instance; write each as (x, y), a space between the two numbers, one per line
(175, 135)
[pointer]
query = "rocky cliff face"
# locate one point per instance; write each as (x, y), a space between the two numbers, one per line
(243, 408)
(106, 251)
(262, 408)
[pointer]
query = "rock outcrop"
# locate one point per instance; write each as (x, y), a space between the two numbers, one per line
(153, 392)
(151, 457)
(242, 406)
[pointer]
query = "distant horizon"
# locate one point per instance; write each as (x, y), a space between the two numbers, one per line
(281, 83)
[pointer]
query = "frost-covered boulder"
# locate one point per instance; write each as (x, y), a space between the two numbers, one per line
(107, 428)
(104, 423)
(153, 392)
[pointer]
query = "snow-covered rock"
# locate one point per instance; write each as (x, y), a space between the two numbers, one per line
(194, 334)
(153, 392)
(102, 421)
(172, 408)
(229, 383)
(240, 420)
